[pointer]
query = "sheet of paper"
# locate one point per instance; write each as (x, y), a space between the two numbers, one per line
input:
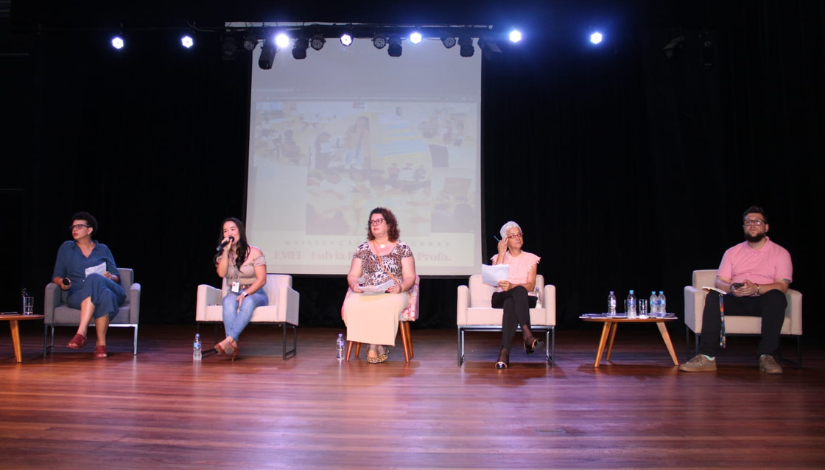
(99, 269)
(492, 274)
(379, 289)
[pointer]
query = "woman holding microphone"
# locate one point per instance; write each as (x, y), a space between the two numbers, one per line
(243, 266)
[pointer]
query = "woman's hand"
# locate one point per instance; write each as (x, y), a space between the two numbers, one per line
(505, 285)
(502, 248)
(240, 298)
(356, 288)
(395, 289)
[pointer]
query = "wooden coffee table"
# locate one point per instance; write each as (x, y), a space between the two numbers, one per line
(612, 323)
(15, 331)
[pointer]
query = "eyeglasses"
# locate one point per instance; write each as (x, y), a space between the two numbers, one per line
(376, 221)
(79, 226)
(757, 222)
(515, 235)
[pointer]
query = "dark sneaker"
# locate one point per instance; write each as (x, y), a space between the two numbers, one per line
(768, 365)
(700, 363)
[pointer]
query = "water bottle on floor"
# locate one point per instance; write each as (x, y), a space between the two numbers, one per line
(611, 304)
(631, 305)
(339, 347)
(197, 352)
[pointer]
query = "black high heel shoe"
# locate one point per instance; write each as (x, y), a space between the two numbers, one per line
(536, 343)
(503, 359)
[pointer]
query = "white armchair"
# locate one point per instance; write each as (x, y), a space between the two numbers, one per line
(735, 324)
(281, 311)
(474, 313)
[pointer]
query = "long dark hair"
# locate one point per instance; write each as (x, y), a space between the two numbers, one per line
(243, 245)
(392, 224)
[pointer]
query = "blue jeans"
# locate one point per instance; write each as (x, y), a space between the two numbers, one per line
(234, 320)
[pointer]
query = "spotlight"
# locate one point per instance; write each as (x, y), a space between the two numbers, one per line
(249, 43)
(282, 40)
(673, 46)
(117, 42)
(448, 41)
(488, 47)
(268, 51)
(466, 48)
(187, 41)
(596, 37)
(395, 46)
(379, 41)
(299, 50)
(317, 42)
(515, 35)
(415, 37)
(228, 48)
(346, 39)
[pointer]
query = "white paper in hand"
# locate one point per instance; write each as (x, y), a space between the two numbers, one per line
(490, 275)
(379, 289)
(99, 269)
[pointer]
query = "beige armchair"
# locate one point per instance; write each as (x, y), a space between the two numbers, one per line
(474, 313)
(57, 313)
(735, 324)
(282, 309)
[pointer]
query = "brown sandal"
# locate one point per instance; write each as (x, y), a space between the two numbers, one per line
(78, 342)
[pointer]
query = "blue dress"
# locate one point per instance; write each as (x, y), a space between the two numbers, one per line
(107, 295)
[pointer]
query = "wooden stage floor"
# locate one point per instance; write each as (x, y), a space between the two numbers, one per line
(158, 410)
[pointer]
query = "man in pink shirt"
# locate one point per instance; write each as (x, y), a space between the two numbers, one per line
(756, 274)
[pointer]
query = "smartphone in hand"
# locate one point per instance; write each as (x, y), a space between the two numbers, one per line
(738, 285)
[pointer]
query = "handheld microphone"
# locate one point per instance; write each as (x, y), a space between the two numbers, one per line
(222, 245)
(65, 281)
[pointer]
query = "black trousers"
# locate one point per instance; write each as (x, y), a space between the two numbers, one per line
(516, 304)
(770, 306)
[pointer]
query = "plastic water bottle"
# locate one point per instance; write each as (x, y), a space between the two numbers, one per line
(339, 347)
(611, 304)
(538, 296)
(654, 304)
(631, 305)
(662, 304)
(197, 352)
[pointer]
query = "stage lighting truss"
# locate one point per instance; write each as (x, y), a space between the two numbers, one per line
(299, 37)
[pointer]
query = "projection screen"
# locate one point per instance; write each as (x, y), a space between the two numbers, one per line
(349, 129)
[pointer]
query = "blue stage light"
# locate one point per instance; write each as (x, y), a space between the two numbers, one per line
(118, 43)
(187, 41)
(596, 37)
(515, 35)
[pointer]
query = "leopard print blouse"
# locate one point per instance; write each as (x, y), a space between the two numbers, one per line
(371, 269)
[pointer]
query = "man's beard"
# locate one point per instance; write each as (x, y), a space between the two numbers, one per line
(754, 238)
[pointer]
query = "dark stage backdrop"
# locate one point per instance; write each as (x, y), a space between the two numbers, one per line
(626, 170)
